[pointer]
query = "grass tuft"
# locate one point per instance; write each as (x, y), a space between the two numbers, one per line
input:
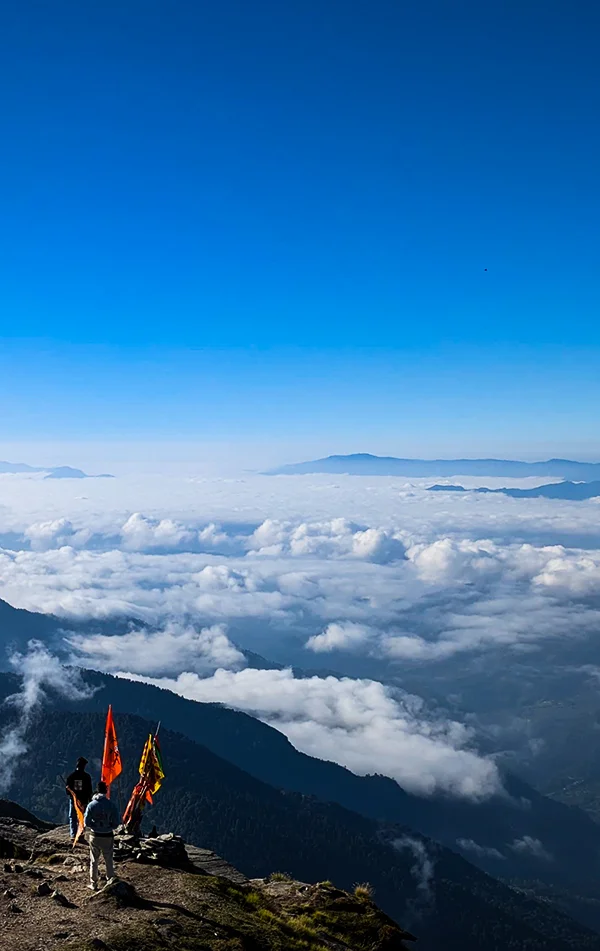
(280, 877)
(363, 891)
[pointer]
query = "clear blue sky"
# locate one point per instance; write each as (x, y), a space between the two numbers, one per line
(238, 218)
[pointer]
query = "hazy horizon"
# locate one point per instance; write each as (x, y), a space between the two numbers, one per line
(173, 457)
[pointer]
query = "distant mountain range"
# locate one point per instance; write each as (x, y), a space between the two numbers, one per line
(575, 491)
(363, 463)
(52, 472)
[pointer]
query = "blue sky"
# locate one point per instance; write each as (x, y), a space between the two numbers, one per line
(271, 221)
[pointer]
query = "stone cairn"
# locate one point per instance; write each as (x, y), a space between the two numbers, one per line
(168, 849)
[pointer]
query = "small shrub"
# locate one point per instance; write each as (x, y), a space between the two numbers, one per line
(364, 891)
(280, 877)
(253, 899)
(304, 925)
(267, 915)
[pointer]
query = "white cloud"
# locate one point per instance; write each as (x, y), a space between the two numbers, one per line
(359, 723)
(336, 537)
(38, 669)
(346, 636)
(157, 652)
(139, 533)
(423, 868)
(481, 851)
(530, 846)
(374, 567)
(55, 533)
(379, 568)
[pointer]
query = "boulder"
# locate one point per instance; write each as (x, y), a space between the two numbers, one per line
(122, 893)
(54, 842)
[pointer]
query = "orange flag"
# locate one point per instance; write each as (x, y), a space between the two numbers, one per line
(111, 758)
(79, 812)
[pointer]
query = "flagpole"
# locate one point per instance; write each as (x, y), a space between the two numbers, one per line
(119, 797)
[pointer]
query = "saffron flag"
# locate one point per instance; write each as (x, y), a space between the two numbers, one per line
(151, 777)
(151, 770)
(79, 814)
(111, 758)
(133, 811)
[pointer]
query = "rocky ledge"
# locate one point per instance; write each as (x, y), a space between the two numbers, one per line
(169, 895)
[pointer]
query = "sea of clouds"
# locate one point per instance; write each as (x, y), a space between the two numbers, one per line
(311, 570)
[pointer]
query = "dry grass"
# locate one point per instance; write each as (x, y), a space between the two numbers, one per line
(280, 877)
(363, 891)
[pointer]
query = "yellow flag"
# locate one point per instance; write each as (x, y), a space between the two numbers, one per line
(151, 769)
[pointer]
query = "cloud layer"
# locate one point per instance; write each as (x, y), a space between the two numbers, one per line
(359, 723)
(321, 572)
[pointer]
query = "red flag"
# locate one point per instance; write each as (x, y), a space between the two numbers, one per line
(111, 758)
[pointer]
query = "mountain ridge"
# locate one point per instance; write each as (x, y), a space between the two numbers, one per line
(258, 828)
(53, 472)
(169, 895)
(484, 833)
(368, 464)
(569, 491)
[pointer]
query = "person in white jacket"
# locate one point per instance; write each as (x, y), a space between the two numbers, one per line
(101, 818)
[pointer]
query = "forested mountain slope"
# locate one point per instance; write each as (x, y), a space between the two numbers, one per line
(258, 828)
(486, 832)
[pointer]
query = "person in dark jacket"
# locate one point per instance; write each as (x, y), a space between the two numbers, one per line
(79, 783)
(101, 818)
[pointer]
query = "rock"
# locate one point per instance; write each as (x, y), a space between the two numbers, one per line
(17, 868)
(17, 837)
(15, 908)
(98, 943)
(8, 867)
(169, 929)
(43, 889)
(167, 849)
(34, 873)
(61, 899)
(209, 863)
(8, 894)
(118, 891)
(53, 845)
(12, 812)
(54, 860)
(61, 935)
